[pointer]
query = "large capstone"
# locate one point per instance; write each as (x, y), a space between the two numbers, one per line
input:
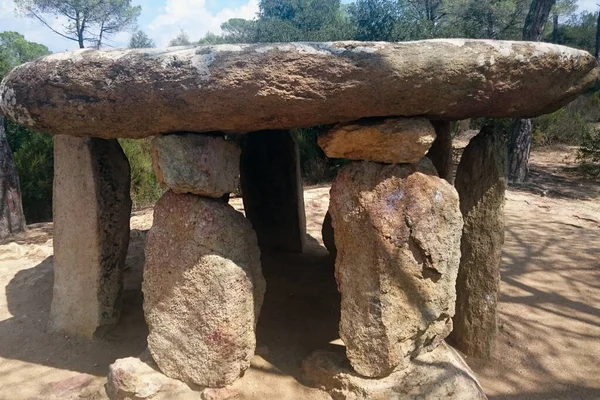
(203, 289)
(249, 87)
(397, 232)
(481, 185)
(385, 140)
(439, 374)
(91, 208)
(196, 163)
(272, 190)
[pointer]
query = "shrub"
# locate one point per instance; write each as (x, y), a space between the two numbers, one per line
(145, 189)
(589, 152)
(34, 159)
(316, 167)
(565, 126)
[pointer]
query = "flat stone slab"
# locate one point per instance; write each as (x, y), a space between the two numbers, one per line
(384, 140)
(242, 88)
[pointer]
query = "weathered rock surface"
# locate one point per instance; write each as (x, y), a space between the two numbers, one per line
(440, 152)
(203, 289)
(481, 185)
(397, 233)
(243, 88)
(91, 210)
(136, 378)
(224, 393)
(438, 375)
(272, 190)
(328, 235)
(196, 163)
(385, 140)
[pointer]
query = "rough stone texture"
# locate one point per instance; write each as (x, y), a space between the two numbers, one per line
(327, 234)
(196, 163)
(397, 234)
(481, 185)
(203, 289)
(272, 190)
(244, 88)
(225, 393)
(438, 375)
(440, 153)
(91, 210)
(386, 140)
(136, 378)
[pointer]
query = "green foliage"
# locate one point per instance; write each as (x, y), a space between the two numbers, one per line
(564, 126)
(15, 50)
(145, 189)
(315, 166)
(484, 19)
(375, 19)
(579, 31)
(589, 152)
(35, 163)
(570, 124)
(183, 39)
(305, 15)
(139, 40)
(88, 21)
(33, 152)
(34, 158)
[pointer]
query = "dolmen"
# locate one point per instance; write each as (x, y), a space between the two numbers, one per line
(416, 257)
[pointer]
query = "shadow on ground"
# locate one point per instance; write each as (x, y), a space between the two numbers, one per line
(300, 314)
(549, 310)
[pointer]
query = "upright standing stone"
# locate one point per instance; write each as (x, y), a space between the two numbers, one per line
(440, 152)
(272, 190)
(481, 184)
(203, 289)
(91, 210)
(397, 233)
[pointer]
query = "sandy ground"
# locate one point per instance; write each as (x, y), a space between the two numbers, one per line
(548, 346)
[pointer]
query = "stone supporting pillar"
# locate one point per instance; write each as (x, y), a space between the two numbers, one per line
(203, 289)
(481, 185)
(440, 153)
(91, 210)
(272, 190)
(397, 232)
(203, 286)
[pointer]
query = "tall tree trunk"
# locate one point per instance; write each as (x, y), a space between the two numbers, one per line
(519, 149)
(597, 51)
(536, 19)
(519, 144)
(12, 219)
(555, 28)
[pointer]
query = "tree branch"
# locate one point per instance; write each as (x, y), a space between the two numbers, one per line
(51, 28)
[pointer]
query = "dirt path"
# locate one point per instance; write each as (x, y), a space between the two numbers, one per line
(548, 345)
